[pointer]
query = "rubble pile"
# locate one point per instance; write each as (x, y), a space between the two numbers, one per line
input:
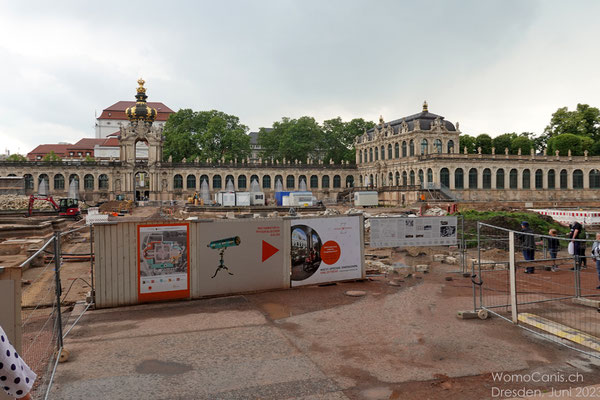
(116, 206)
(18, 202)
(435, 212)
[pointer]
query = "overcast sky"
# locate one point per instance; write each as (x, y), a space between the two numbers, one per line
(494, 66)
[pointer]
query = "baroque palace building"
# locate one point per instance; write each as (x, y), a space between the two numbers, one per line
(155, 179)
(404, 160)
(420, 153)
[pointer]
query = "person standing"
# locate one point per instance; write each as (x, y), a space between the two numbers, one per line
(596, 255)
(527, 245)
(575, 233)
(16, 378)
(553, 247)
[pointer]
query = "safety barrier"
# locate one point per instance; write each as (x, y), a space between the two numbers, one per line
(142, 261)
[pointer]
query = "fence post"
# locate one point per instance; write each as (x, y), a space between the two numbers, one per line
(513, 278)
(58, 286)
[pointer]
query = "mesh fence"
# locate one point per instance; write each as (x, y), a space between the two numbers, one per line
(552, 288)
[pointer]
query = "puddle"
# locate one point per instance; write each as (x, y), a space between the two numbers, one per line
(378, 393)
(276, 311)
(162, 367)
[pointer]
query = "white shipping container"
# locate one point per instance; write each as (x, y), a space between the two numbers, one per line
(257, 198)
(226, 199)
(366, 199)
(285, 201)
(301, 199)
(242, 199)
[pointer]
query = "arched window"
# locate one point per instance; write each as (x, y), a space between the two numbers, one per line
(382, 152)
(360, 156)
(594, 179)
(564, 177)
(350, 181)
(389, 152)
(577, 179)
(302, 178)
(404, 178)
(397, 150)
(445, 177)
(177, 182)
(397, 178)
(74, 178)
(437, 145)
(539, 179)
(190, 182)
(500, 178)
(404, 154)
(253, 178)
(371, 180)
(88, 182)
(424, 145)
(103, 182)
(314, 182)
(325, 181)
(473, 178)
(278, 178)
(429, 175)
(526, 179)
(421, 176)
(29, 181)
(43, 177)
(450, 146)
(242, 182)
(487, 178)
(217, 184)
(459, 178)
(290, 182)
(204, 178)
(412, 177)
(390, 179)
(229, 178)
(371, 154)
(266, 183)
(376, 153)
(360, 180)
(59, 182)
(551, 179)
(337, 181)
(411, 148)
(513, 179)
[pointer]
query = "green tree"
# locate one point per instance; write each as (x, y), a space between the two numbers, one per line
(89, 158)
(485, 142)
(467, 141)
(523, 143)
(339, 138)
(504, 141)
(52, 156)
(16, 157)
(566, 141)
(205, 134)
(293, 139)
(583, 121)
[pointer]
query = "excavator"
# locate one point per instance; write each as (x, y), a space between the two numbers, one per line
(65, 207)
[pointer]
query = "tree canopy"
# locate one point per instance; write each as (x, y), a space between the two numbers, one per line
(566, 141)
(16, 157)
(52, 156)
(583, 121)
(467, 141)
(485, 142)
(205, 134)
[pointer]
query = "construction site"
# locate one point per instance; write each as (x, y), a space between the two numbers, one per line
(206, 299)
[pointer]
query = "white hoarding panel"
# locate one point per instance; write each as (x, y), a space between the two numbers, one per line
(325, 250)
(406, 231)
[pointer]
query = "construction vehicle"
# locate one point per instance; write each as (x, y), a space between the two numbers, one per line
(65, 207)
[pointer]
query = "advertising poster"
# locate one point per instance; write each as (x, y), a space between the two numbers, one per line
(163, 262)
(406, 231)
(238, 256)
(325, 250)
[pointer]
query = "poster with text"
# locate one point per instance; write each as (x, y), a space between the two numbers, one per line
(325, 250)
(407, 231)
(163, 262)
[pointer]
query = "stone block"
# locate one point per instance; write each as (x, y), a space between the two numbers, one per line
(422, 268)
(451, 260)
(439, 257)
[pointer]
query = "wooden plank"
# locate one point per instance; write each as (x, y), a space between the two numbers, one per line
(133, 275)
(120, 264)
(100, 262)
(193, 267)
(124, 257)
(114, 282)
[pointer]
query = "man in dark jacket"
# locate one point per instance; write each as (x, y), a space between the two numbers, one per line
(578, 247)
(527, 245)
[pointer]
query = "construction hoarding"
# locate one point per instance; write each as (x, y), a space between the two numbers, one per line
(326, 250)
(163, 262)
(419, 231)
(235, 256)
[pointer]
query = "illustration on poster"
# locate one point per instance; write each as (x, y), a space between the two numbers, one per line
(306, 252)
(222, 245)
